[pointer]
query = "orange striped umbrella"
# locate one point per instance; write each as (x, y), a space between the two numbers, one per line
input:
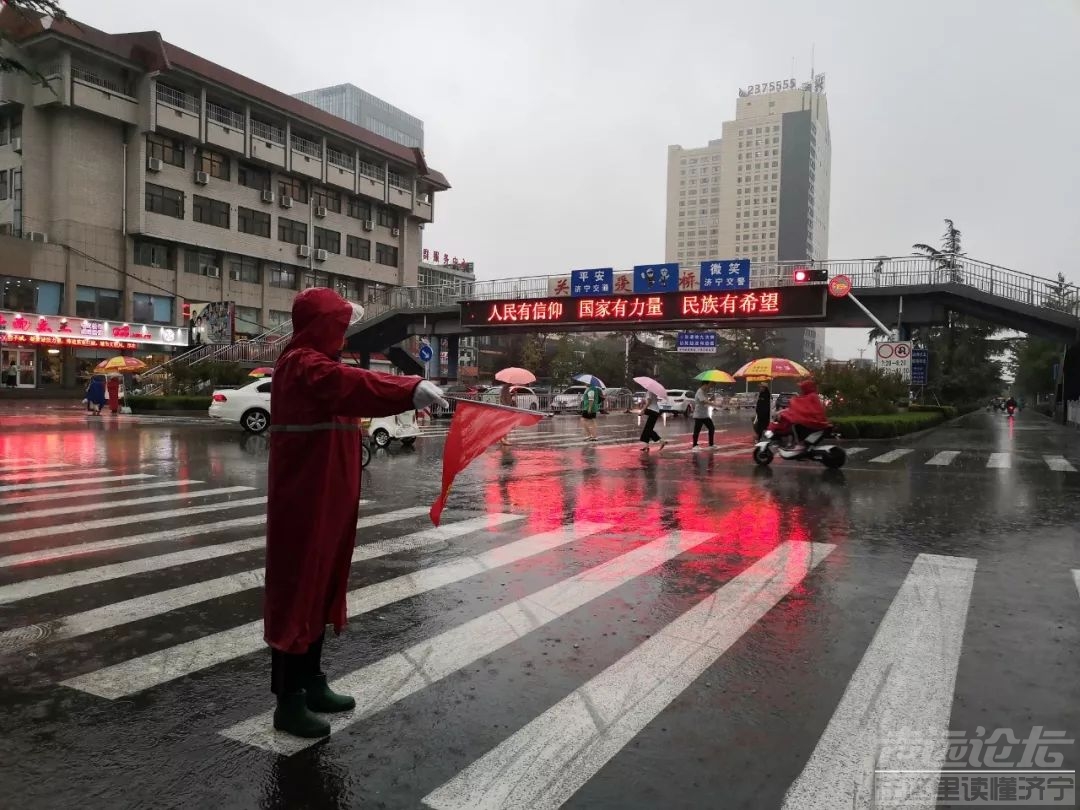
(120, 365)
(767, 368)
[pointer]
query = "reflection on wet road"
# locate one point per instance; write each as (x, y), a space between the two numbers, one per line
(592, 626)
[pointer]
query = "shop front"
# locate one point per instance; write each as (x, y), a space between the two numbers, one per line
(53, 351)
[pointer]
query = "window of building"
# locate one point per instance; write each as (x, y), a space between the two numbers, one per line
(327, 198)
(162, 200)
(3, 184)
(291, 231)
(316, 280)
(278, 317)
(348, 288)
(247, 321)
(244, 268)
(280, 275)
(167, 150)
(358, 248)
(359, 208)
(30, 295)
(215, 164)
(209, 212)
(201, 262)
(386, 254)
(251, 221)
(95, 302)
(388, 218)
(292, 187)
(251, 176)
(152, 254)
(328, 240)
(152, 308)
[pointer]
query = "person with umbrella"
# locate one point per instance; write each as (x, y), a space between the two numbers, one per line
(592, 401)
(113, 389)
(651, 409)
(703, 401)
(762, 409)
(95, 394)
(511, 377)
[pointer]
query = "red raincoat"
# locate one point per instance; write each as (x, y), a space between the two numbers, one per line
(113, 387)
(313, 485)
(806, 409)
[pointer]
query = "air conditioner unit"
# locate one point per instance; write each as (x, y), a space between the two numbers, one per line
(285, 201)
(321, 255)
(234, 275)
(303, 251)
(153, 164)
(210, 271)
(36, 236)
(202, 178)
(395, 231)
(368, 225)
(320, 211)
(268, 196)
(16, 144)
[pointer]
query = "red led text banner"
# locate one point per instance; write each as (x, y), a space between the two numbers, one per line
(764, 305)
(56, 340)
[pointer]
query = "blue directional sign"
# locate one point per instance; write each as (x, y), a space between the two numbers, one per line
(920, 365)
(425, 352)
(598, 281)
(725, 274)
(656, 278)
(696, 342)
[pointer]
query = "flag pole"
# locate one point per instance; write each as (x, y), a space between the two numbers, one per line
(510, 408)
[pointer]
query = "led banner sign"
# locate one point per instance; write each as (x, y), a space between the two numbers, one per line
(762, 305)
(54, 330)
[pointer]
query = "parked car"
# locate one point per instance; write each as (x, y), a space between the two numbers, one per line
(679, 401)
(524, 397)
(386, 429)
(638, 402)
(248, 406)
(569, 401)
(460, 392)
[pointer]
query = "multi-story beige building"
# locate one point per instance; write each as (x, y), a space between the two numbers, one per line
(139, 178)
(761, 191)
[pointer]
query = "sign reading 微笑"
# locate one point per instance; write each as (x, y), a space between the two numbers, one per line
(734, 308)
(725, 274)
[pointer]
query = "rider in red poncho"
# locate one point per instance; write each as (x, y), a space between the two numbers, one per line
(313, 492)
(805, 413)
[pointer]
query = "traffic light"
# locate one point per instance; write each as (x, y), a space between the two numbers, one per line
(804, 275)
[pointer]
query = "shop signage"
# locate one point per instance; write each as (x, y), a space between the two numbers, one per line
(56, 330)
(762, 305)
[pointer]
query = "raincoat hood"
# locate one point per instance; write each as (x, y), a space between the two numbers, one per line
(320, 318)
(808, 387)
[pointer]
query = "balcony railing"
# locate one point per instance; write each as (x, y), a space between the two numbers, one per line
(104, 82)
(400, 181)
(340, 158)
(267, 132)
(372, 171)
(307, 147)
(177, 98)
(225, 116)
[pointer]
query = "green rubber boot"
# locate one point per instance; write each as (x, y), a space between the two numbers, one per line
(321, 698)
(293, 717)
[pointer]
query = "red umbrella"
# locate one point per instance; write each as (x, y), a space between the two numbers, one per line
(516, 376)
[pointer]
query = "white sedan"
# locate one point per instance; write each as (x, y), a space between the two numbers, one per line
(524, 397)
(248, 406)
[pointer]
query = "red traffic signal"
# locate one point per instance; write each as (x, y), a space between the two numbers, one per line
(801, 275)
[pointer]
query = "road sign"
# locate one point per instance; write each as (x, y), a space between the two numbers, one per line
(895, 358)
(598, 281)
(696, 343)
(425, 352)
(725, 274)
(656, 278)
(920, 366)
(839, 286)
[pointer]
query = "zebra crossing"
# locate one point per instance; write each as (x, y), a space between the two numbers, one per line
(57, 593)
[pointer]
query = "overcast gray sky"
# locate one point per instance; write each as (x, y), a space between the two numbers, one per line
(552, 119)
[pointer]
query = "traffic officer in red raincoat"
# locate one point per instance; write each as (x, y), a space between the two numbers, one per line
(804, 414)
(313, 494)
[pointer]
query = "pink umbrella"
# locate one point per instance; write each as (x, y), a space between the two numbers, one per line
(516, 376)
(652, 386)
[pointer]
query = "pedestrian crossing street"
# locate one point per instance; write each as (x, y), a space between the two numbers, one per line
(63, 580)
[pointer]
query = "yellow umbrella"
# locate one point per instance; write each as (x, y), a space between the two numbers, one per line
(120, 365)
(767, 368)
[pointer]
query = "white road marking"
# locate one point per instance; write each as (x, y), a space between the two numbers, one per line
(144, 672)
(892, 455)
(1059, 464)
(86, 493)
(121, 520)
(901, 690)
(36, 476)
(98, 507)
(155, 604)
(11, 466)
(854, 451)
(546, 762)
(49, 484)
(1076, 578)
(393, 678)
(999, 461)
(944, 458)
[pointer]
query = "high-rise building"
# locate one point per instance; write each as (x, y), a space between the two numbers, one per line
(761, 191)
(370, 112)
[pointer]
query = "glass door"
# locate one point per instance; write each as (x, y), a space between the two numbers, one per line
(25, 361)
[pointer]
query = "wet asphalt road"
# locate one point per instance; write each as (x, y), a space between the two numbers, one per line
(590, 628)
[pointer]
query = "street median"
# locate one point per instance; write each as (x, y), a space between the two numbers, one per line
(888, 426)
(167, 403)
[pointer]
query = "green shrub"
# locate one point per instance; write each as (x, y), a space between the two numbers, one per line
(948, 411)
(167, 403)
(886, 426)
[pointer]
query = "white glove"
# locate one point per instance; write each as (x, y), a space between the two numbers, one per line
(427, 394)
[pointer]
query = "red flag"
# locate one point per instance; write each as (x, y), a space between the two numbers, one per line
(475, 427)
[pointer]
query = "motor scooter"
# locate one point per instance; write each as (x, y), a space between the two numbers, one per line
(815, 448)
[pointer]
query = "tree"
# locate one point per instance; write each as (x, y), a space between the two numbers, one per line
(564, 362)
(947, 257)
(31, 9)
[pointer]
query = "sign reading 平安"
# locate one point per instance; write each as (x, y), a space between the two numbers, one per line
(598, 281)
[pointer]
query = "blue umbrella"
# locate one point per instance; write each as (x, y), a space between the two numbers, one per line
(589, 379)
